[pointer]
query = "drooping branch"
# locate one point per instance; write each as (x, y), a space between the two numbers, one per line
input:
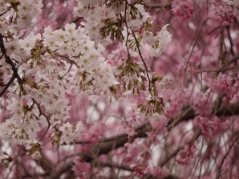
(187, 114)
(109, 144)
(225, 156)
(230, 61)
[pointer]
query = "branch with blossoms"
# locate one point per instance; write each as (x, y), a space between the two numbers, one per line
(40, 59)
(9, 61)
(107, 145)
(93, 89)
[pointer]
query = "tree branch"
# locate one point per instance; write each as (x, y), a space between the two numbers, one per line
(7, 85)
(109, 144)
(10, 62)
(157, 5)
(119, 140)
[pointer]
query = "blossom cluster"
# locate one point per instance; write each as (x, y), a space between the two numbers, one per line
(232, 2)
(107, 22)
(211, 127)
(46, 67)
(101, 89)
(186, 154)
(221, 12)
(183, 9)
(17, 15)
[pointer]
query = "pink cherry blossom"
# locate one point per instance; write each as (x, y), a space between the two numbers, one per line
(119, 89)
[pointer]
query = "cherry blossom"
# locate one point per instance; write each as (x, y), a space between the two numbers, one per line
(119, 89)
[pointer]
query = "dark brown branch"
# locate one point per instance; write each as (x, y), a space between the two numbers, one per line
(7, 85)
(230, 61)
(225, 156)
(186, 114)
(189, 113)
(112, 165)
(157, 6)
(228, 109)
(10, 62)
(119, 141)
(167, 177)
(115, 142)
